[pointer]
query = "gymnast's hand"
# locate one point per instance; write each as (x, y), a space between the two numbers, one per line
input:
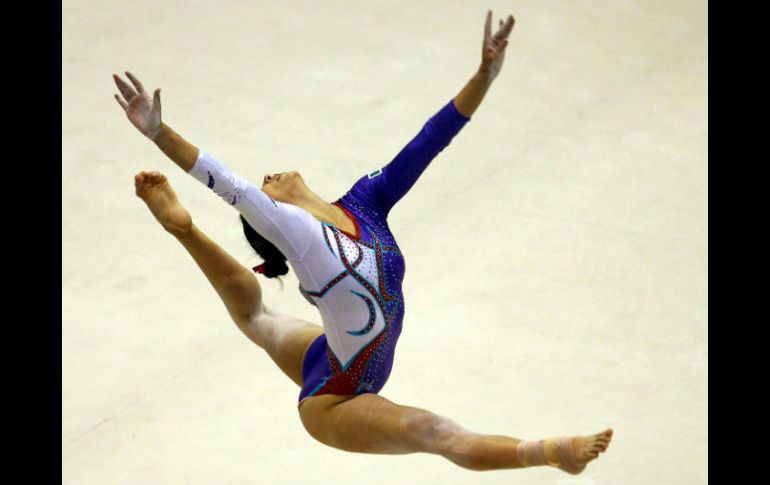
(493, 49)
(142, 111)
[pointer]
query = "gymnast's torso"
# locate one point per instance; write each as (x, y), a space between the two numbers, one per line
(354, 279)
(363, 302)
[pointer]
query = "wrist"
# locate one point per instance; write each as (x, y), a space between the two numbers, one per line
(159, 131)
(485, 74)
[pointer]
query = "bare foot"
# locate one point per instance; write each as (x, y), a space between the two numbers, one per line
(156, 192)
(573, 457)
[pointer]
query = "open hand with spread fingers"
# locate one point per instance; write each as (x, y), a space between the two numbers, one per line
(143, 112)
(493, 49)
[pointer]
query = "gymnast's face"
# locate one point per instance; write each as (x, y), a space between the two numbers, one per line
(284, 187)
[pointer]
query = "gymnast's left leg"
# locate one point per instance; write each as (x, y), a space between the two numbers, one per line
(284, 338)
(369, 423)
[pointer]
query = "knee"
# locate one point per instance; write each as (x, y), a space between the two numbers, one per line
(247, 305)
(261, 329)
(437, 434)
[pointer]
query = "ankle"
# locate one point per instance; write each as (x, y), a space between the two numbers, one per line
(531, 453)
(180, 232)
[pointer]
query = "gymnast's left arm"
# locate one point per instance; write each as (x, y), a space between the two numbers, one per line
(386, 187)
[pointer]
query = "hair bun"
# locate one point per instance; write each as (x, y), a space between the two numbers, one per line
(275, 268)
(274, 260)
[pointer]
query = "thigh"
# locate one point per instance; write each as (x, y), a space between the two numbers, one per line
(369, 423)
(285, 339)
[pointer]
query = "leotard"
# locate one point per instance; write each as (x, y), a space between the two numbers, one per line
(353, 279)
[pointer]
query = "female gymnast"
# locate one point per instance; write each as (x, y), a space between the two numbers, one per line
(351, 268)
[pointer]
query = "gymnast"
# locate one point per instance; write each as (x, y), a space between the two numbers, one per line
(349, 267)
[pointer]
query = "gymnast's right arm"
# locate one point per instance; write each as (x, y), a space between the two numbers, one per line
(285, 225)
(179, 150)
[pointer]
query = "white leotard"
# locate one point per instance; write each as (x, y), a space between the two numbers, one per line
(309, 246)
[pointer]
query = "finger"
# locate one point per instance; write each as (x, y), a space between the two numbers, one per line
(505, 28)
(137, 84)
(509, 25)
(488, 26)
(122, 103)
(126, 90)
(156, 101)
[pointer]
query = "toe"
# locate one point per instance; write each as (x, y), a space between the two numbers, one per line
(138, 184)
(156, 177)
(605, 436)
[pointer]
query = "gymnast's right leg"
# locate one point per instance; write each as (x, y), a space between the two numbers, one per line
(370, 423)
(285, 339)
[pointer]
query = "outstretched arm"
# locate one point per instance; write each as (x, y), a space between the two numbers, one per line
(384, 188)
(144, 114)
(287, 226)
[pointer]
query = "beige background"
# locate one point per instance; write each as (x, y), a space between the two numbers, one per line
(556, 251)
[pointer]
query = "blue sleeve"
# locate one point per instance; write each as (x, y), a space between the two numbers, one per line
(383, 188)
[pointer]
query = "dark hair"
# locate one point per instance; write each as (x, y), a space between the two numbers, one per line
(275, 261)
